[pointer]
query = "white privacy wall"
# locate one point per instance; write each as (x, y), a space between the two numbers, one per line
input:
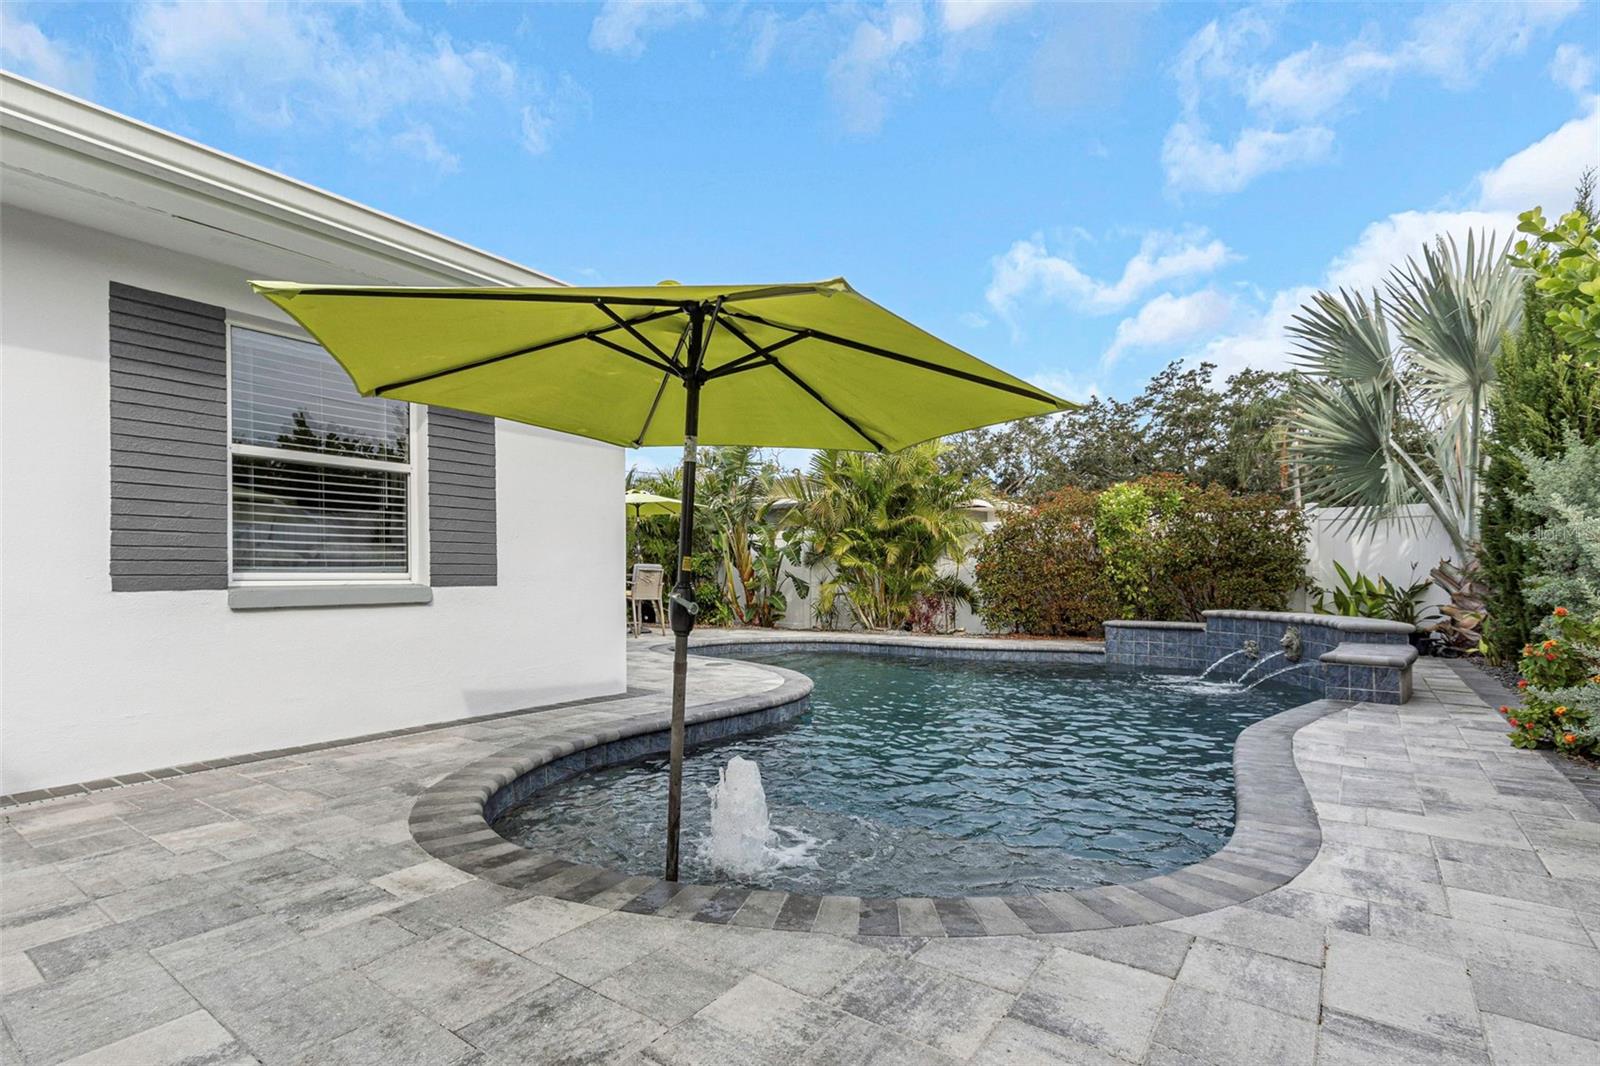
(1387, 550)
(95, 683)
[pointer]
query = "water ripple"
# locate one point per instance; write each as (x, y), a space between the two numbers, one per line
(940, 778)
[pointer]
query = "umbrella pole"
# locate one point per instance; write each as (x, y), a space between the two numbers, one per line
(682, 611)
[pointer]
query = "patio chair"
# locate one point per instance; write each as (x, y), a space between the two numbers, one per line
(648, 585)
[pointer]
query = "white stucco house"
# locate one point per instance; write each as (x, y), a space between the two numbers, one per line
(209, 544)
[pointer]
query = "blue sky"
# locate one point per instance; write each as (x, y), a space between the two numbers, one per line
(1077, 193)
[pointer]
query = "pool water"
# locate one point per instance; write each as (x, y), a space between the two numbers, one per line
(932, 777)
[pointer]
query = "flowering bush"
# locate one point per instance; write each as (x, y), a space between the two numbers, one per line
(1560, 686)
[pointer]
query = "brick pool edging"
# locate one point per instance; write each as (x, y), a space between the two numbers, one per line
(1276, 833)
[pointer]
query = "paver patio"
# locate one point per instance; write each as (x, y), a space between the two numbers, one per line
(279, 912)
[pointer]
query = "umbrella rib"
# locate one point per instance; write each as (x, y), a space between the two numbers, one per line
(911, 360)
(640, 337)
(590, 334)
(645, 359)
(683, 339)
(753, 360)
(651, 417)
(766, 356)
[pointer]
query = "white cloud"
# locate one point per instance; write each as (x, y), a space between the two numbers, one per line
(1168, 320)
(1028, 272)
(1261, 342)
(1193, 160)
(419, 140)
(1067, 385)
(342, 67)
(1457, 43)
(1314, 81)
(26, 49)
(874, 65)
(1573, 69)
(622, 25)
(1544, 173)
(1454, 44)
(959, 16)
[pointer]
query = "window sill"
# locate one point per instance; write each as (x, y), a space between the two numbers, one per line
(275, 597)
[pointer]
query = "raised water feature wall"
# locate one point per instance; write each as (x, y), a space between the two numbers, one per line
(1358, 659)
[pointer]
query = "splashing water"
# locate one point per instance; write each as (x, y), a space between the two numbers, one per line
(1219, 662)
(1259, 664)
(743, 841)
(1278, 673)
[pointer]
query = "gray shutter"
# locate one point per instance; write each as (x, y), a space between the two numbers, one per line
(169, 442)
(461, 516)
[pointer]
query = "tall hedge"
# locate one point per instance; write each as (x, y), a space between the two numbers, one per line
(1165, 549)
(1543, 393)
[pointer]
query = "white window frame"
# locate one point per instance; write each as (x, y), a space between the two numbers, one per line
(416, 489)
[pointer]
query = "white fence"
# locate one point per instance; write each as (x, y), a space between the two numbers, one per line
(1389, 550)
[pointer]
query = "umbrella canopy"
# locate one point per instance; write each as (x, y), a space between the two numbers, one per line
(813, 365)
(810, 365)
(649, 505)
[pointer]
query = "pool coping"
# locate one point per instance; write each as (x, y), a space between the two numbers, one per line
(1276, 831)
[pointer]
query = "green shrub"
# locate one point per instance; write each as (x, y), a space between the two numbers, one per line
(1040, 572)
(1544, 392)
(1564, 552)
(1560, 685)
(1219, 550)
(1158, 548)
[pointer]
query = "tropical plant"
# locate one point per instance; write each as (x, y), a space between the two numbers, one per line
(731, 495)
(772, 565)
(1365, 406)
(1560, 686)
(1564, 258)
(1356, 596)
(882, 529)
(1359, 596)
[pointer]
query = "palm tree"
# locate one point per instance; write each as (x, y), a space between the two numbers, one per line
(881, 528)
(1389, 406)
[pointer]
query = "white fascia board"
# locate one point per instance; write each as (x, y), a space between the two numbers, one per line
(78, 128)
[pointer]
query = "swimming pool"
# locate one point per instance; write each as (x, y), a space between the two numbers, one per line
(936, 777)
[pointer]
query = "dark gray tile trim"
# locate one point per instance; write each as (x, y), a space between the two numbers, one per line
(970, 648)
(1276, 832)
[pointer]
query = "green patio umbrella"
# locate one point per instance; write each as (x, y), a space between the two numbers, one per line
(808, 365)
(648, 505)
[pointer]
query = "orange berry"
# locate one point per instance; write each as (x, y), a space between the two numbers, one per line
(1560, 711)
(1560, 612)
(1569, 738)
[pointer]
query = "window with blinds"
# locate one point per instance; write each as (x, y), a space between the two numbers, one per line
(322, 477)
